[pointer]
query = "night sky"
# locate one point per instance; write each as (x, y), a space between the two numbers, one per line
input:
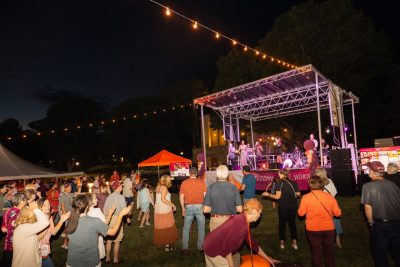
(116, 49)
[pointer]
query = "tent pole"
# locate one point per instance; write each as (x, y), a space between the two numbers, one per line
(319, 119)
(204, 137)
(158, 172)
(252, 143)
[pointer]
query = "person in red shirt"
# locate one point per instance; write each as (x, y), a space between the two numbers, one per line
(114, 177)
(220, 244)
(8, 226)
(52, 196)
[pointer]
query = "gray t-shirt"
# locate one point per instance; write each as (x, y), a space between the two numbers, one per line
(114, 199)
(222, 197)
(83, 248)
(66, 199)
(384, 197)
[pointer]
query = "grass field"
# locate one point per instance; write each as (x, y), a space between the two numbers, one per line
(137, 248)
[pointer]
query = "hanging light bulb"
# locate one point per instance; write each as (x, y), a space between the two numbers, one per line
(217, 35)
(234, 42)
(195, 25)
(167, 12)
(257, 53)
(245, 48)
(264, 56)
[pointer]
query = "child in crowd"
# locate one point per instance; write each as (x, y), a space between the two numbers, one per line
(145, 199)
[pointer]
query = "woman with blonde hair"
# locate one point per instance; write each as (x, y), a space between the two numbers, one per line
(331, 189)
(165, 232)
(30, 222)
(320, 207)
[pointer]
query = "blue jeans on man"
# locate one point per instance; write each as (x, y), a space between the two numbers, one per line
(194, 211)
(385, 237)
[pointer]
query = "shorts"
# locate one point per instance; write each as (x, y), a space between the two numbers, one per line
(128, 200)
(120, 233)
(145, 206)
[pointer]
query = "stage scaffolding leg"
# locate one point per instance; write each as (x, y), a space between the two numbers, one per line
(203, 136)
(354, 125)
(252, 143)
(319, 120)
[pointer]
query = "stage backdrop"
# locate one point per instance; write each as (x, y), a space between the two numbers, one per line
(265, 178)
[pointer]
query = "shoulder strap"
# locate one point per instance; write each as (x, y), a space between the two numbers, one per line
(294, 192)
(330, 215)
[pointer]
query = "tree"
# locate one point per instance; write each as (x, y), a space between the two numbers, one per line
(333, 36)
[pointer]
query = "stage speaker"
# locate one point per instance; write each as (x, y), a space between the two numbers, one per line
(344, 181)
(341, 158)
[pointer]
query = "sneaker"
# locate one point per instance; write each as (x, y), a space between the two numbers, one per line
(282, 246)
(148, 223)
(295, 247)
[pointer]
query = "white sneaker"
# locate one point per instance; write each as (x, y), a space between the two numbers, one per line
(282, 246)
(295, 247)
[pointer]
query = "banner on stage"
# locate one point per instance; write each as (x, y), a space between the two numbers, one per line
(179, 169)
(265, 178)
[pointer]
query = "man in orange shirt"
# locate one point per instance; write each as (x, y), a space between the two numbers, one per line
(191, 198)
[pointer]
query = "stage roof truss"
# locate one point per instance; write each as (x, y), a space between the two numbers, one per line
(288, 93)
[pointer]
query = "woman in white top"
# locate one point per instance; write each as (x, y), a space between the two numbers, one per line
(165, 232)
(97, 213)
(45, 235)
(331, 189)
(30, 222)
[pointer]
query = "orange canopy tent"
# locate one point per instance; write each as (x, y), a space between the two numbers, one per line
(162, 158)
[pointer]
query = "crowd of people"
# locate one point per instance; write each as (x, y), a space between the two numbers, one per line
(92, 217)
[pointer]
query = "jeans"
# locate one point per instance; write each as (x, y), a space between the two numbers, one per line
(47, 262)
(194, 211)
(321, 244)
(385, 237)
(287, 216)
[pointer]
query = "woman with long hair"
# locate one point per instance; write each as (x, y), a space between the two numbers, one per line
(286, 194)
(97, 213)
(165, 232)
(45, 235)
(83, 232)
(319, 208)
(30, 222)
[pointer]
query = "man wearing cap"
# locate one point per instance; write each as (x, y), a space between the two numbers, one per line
(191, 196)
(117, 200)
(223, 201)
(381, 199)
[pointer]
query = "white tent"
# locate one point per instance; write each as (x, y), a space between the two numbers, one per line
(13, 167)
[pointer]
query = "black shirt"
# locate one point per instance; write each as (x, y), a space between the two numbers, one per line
(395, 178)
(288, 190)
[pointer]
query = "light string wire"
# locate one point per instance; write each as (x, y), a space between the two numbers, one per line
(218, 35)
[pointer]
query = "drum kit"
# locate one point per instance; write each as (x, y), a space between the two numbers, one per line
(295, 160)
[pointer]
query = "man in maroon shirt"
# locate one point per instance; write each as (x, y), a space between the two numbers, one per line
(224, 241)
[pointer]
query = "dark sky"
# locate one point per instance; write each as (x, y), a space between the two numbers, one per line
(116, 49)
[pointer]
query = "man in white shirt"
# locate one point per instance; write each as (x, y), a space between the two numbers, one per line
(314, 140)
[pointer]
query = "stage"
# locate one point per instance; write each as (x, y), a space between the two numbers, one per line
(265, 177)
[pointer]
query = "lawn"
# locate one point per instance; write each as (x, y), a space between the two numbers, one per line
(137, 248)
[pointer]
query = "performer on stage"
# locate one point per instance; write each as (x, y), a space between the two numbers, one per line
(278, 152)
(298, 157)
(243, 154)
(258, 149)
(231, 153)
(325, 150)
(312, 138)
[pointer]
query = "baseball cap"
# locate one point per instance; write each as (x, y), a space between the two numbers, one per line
(376, 166)
(116, 184)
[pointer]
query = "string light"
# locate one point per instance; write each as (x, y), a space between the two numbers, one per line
(167, 12)
(114, 120)
(196, 25)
